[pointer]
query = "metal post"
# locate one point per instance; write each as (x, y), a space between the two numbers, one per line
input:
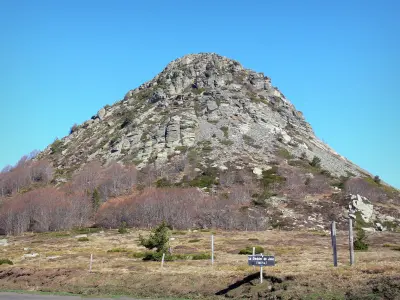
(333, 237)
(212, 249)
(162, 261)
(91, 261)
(351, 241)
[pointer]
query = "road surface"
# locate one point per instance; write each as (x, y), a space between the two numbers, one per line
(16, 296)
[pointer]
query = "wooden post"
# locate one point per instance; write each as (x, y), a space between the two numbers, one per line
(261, 272)
(333, 237)
(39, 259)
(254, 253)
(162, 261)
(91, 261)
(212, 249)
(351, 241)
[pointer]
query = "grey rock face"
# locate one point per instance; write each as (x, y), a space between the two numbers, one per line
(197, 99)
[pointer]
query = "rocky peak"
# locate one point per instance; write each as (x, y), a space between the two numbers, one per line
(203, 105)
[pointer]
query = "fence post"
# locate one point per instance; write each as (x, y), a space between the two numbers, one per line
(91, 261)
(333, 237)
(162, 261)
(212, 249)
(254, 253)
(261, 271)
(351, 241)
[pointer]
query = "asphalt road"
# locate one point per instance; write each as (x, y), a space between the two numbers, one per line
(16, 296)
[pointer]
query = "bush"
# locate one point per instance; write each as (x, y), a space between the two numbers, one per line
(225, 130)
(139, 254)
(249, 250)
(57, 146)
(360, 242)
(179, 232)
(201, 256)
(158, 239)
(284, 153)
(122, 228)
(83, 239)
(316, 162)
(303, 156)
(271, 176)
(85, 230)
(157, 256)
(117, 250)
(163, 182)
(226, 142)
(73, 128)
(6, 262)
(194, 241)
(377, 179)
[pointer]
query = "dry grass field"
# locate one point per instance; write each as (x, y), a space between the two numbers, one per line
(303, 268)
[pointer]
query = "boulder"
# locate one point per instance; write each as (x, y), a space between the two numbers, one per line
(3, 242)
(362, 205)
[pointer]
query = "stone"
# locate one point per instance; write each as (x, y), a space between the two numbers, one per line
(53, 257)
(363, 206)
(81, 236)
(379, 227)
(211, 105)
(257, 171)
(223, 168)
(30, 255)
(3, 242)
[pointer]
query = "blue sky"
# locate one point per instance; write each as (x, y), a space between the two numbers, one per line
(336, 61)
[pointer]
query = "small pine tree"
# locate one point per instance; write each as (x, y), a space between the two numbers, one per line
(316, 162)
(122, 228)
(377, 179)
(158, 239)
(360, 242)
(96, 199)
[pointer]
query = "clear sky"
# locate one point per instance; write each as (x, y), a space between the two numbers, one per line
(336, 61)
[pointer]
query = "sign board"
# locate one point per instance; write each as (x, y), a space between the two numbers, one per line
(260, 260)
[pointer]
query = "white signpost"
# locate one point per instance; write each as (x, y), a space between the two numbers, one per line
(261, 260)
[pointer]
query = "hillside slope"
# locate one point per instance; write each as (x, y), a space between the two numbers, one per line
(207, 122)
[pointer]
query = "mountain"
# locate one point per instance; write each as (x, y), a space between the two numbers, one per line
(203, 102)
(206, 121)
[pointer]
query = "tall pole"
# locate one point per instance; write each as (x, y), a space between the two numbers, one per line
(351, 241)
(333, 237)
